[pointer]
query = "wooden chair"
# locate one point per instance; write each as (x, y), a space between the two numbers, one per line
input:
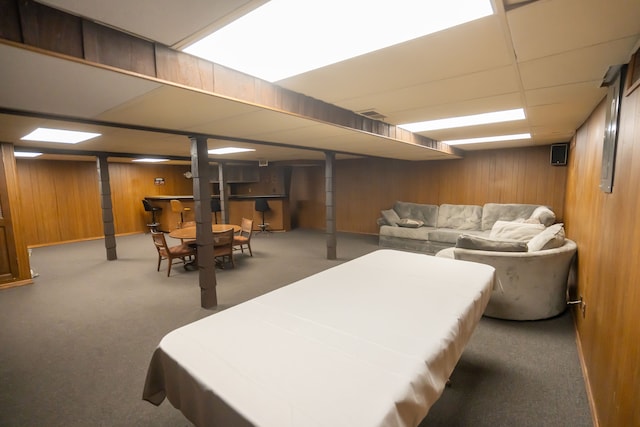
(178, 207)
(181, 251)
(223, 248)
(244, 237)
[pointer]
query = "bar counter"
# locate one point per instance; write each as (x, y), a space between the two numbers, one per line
(240, 206)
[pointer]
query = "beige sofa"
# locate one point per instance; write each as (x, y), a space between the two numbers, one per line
(431, 228)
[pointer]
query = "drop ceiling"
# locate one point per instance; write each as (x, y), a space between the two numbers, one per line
(546, 56)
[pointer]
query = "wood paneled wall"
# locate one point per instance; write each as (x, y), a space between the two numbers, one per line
(366, 186)
(607, 231)
(60, 200)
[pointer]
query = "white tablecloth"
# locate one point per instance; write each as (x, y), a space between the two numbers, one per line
(370, 342)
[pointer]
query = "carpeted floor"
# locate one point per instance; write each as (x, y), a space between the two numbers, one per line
(74, 347)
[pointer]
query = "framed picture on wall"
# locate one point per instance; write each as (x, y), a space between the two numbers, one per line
(633, 73)
(614, 99)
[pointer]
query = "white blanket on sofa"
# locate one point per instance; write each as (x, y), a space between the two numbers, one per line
(370, 342)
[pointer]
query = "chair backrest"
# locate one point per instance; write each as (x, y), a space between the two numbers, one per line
(262, 205)
(223, 242)
(176, 205)
(159, 241)
(246, 227)
(147, 205)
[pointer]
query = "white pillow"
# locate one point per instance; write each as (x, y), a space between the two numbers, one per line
(511, 230)
(549, 238)
(544, 215)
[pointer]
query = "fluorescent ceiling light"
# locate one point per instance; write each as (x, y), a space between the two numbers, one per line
(229, 150)
(462, 121)
(26, 154)
(488, 139)
(146, 160)
(59, 135)
(283, 38)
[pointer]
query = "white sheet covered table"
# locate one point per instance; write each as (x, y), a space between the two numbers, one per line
(370, 342)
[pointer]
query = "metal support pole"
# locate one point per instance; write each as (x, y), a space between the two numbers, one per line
(202, 207)
(107, 207)
(330, 200)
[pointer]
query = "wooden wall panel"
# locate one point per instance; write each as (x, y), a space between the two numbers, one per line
(111, 47)
(183, 68)
(61, 202)
(605, 226)
(366, 186)
(10, 21)
(130, 183)
(50, 29)
(14, 259)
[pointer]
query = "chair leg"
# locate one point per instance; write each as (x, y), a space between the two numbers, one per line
(159, 261)
(249, 246)
(169, 268)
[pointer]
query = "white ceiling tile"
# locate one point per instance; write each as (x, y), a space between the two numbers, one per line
(41, 83)
(167, 21)
(545, 28)
(580, 65)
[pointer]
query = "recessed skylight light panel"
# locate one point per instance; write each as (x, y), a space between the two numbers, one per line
(283, 38)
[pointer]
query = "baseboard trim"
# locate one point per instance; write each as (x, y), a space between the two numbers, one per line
(585, 372)
(16, 284)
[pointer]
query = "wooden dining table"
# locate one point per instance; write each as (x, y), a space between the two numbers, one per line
(189, 233)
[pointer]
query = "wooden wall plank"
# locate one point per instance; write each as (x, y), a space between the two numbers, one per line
(117, 49)
(366, 186)
(60, 199)
(10, 21)
(50, 29)
(184, 69)
(606, 230)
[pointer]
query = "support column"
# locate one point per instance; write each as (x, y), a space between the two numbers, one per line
(107, 207)
(202, 207)
(330, 201)
(224, 194)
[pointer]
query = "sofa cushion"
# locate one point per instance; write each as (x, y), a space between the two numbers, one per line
(420, 233)
(512, 230)
(460, 217)
(543, 215)
(410, 223)
(466, 241)
(549, 238)
(444, 235)
(390, 216)
(492, 212)
(426, 213)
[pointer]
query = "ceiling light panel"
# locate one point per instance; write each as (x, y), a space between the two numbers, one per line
(26, 154)
(498, 138)
(284, 38)
(61, 136)
(229, 150)
(463, 121)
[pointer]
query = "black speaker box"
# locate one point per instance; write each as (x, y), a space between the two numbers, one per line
(559, 154)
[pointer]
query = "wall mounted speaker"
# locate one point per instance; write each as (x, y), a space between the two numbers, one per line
(559, 154)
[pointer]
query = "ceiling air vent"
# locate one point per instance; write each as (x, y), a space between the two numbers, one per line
(372, 114)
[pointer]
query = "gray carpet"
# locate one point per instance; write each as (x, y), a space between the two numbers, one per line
(74, 347)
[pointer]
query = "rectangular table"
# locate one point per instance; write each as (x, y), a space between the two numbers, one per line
(370, 342)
